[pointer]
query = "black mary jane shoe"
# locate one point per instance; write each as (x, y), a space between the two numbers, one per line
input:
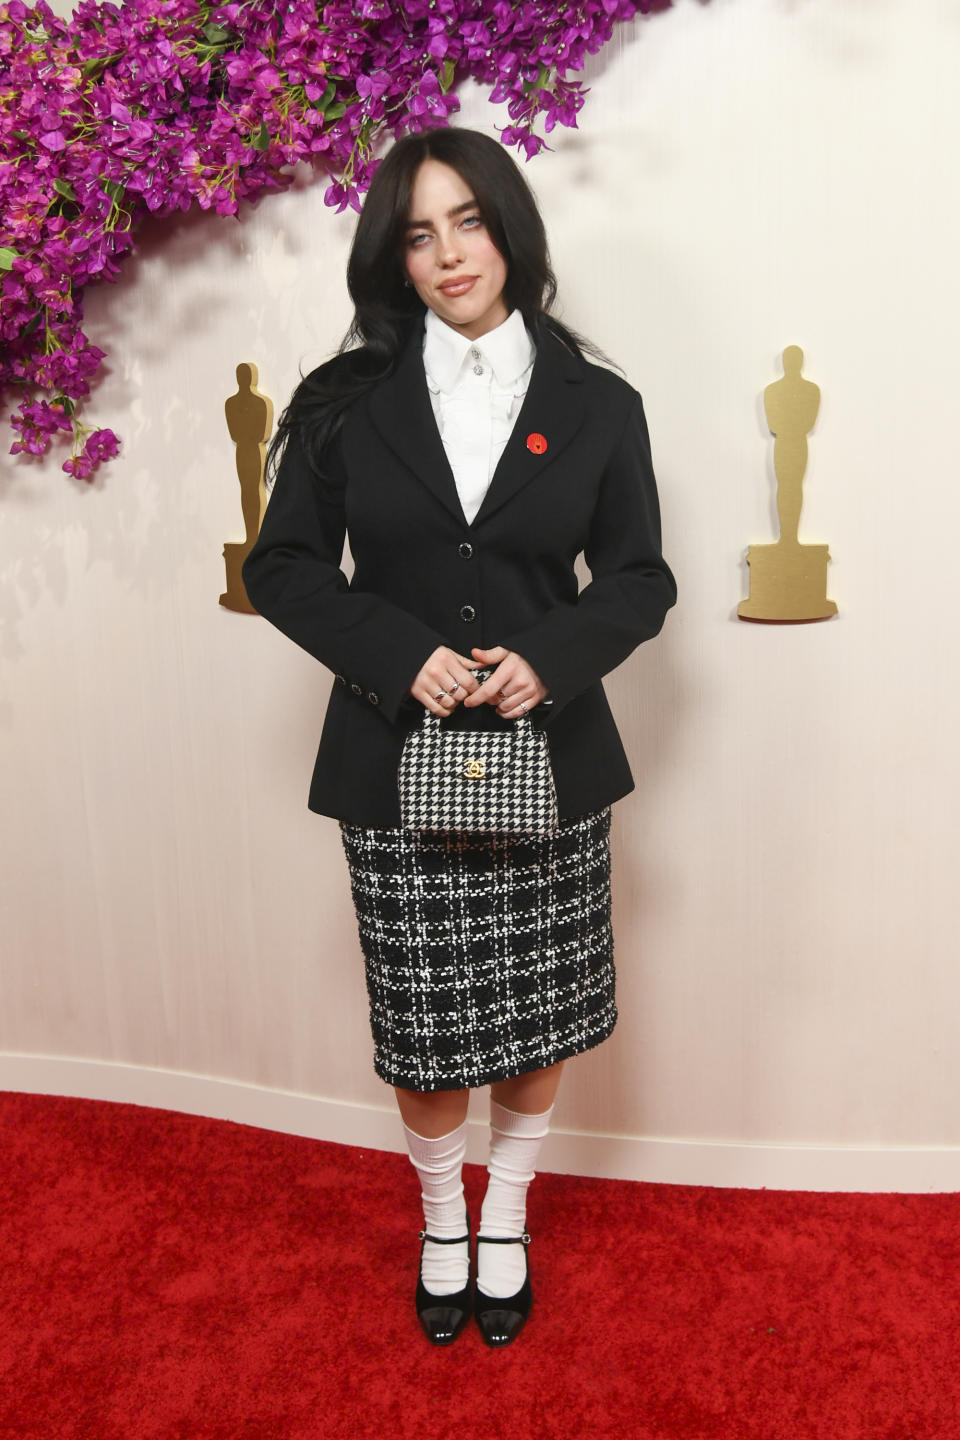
(443, 1316)
(501, 1321)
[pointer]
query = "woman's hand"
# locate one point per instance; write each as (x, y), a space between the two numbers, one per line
(444, 680)
(514, 687)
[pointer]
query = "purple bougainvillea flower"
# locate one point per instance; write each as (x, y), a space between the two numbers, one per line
(374, 85)
(101, 445)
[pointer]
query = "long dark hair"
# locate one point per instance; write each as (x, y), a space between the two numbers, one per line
(386, 309)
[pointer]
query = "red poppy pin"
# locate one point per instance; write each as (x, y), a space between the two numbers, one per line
(537, 442)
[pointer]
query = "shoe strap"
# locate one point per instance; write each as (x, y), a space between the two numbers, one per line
(436, 1240)
(523, 1239)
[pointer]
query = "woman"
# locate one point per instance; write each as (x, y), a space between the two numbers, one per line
(473, 453)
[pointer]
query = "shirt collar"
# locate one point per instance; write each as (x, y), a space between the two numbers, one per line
(508, 350)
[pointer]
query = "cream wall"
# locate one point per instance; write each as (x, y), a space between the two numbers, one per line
(177, 927)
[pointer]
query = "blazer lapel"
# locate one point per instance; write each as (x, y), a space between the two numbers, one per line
(402, 413)
(553, 409)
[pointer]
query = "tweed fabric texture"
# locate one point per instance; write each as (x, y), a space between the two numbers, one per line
(486, 955)
(488, 781)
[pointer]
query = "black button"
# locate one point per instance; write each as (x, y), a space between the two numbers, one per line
(373, 697)
(340, 679)
(357, 689)
(466, 550)
(467, 613)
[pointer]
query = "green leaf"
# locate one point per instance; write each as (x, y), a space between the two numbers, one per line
(261, 141)
(446, 75)
(64, 188)
(32, 324)
(7, 257)
(530, 87)
(115, 191)
(215, 34)
(326, 97)
(333, 112)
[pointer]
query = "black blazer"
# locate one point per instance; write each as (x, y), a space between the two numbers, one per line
(423, 577)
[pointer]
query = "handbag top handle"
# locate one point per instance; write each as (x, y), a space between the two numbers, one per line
(430, 720)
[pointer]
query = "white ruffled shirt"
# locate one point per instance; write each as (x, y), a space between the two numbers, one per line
(476, 389)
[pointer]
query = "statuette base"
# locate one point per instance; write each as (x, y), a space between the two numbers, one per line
(235, 596)
(788, 584)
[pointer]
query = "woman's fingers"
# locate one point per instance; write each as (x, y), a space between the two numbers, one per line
(521, 688)
(490, 657)
(448, 679)
(444, 681)
(488, 693)
(519, 702)
(463, 681)
(507, 675)
(514, 687)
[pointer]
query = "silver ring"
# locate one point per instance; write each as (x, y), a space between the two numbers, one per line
(523, 708)
(440, 696)
(454, 686)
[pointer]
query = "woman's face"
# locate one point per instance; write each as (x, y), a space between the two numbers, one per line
(449, 256)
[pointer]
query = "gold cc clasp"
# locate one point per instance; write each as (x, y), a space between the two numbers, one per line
(475, 770)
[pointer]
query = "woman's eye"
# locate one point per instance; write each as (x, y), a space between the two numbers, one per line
(471, 221)
(416, 240)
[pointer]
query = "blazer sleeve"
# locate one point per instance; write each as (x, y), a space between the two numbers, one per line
(572, 646)
(293, 578)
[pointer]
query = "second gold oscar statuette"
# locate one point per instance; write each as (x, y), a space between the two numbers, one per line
(788, 580)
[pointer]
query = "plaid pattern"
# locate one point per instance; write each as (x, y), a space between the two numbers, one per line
(486, 955)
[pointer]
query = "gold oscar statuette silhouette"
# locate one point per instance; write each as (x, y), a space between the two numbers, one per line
(788, 581)
(249, 420)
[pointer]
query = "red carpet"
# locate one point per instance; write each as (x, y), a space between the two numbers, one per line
(169, 1278)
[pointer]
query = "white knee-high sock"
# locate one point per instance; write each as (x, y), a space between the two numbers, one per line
(515, 1142)
(439, 1166)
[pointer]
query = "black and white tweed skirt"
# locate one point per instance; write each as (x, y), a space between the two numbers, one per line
(486, 955)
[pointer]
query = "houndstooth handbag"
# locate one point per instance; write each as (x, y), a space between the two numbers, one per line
(492, 781)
